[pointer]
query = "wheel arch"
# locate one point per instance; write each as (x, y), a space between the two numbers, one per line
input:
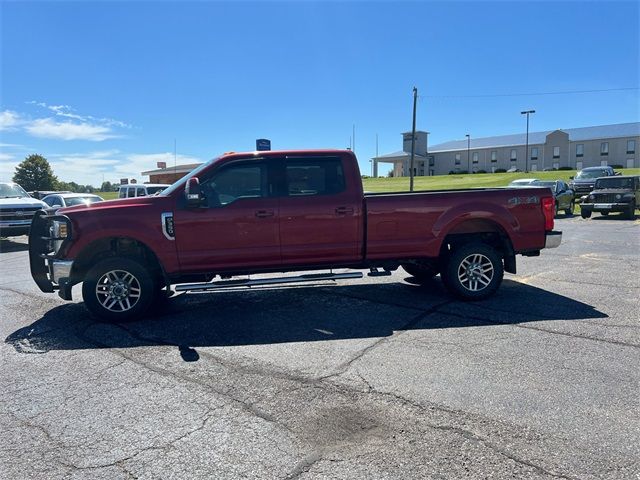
(483, 230)
(112, 247)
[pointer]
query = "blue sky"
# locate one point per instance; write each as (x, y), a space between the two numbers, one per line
(103, 88)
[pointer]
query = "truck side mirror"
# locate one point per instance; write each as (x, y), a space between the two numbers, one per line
(192, 192)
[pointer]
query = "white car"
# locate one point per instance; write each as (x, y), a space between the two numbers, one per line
(141, 189)
(60, 200)
(16, 209)
(523, 182)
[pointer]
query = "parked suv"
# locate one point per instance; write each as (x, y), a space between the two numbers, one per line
(140, 190)
(585, 179)
(16, 209)
(613, 194)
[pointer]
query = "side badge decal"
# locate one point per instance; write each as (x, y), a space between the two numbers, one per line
(167, 225)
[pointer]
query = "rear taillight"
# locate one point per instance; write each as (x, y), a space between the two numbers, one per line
(548, 208)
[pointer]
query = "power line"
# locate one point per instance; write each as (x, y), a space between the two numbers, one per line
(564, 92)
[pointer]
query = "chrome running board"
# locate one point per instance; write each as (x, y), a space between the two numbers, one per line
(219, 285)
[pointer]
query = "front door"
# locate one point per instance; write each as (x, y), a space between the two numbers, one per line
(319, 214)
(629, 162)
(236, 227)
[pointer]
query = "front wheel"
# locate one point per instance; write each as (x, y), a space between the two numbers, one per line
(585, 213)
(118, 289)
(473, 271)
(604, 214)
(631, 211)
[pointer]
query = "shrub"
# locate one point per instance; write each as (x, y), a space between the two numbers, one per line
(500, 170)
(481, 171)
(565, 168)
(617, 166)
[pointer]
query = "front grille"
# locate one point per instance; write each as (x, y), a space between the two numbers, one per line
(11, 214)
(604, 198)
(583, 188)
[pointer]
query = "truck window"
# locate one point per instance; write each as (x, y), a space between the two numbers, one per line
(314, 176)
(140, 192)
(131, 192)
(122, 193)
(236, 182)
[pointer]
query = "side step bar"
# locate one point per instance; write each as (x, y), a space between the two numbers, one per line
(194, 287)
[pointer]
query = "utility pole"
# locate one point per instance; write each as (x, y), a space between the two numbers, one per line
(175, 155)
(468, 153)
(376, 154)
(354, 138)
(413, 139)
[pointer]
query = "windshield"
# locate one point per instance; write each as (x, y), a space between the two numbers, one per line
(9, 190)
(590, 174)
(615, 182)
(551, 185)
(183, 180)
(81, 200)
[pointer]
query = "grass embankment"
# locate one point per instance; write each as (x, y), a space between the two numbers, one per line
(450, 182)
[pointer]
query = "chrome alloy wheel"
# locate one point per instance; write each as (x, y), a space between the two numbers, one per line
(475, 272)
(118, 291)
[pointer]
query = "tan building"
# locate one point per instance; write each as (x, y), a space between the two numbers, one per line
(169, 174)
(573, 148)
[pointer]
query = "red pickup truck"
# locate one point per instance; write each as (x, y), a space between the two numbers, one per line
(278, 211)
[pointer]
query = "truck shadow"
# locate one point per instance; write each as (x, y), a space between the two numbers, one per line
(304, 314)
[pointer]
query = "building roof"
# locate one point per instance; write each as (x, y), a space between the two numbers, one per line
(575, 135)
(177, 169)
(400, 154)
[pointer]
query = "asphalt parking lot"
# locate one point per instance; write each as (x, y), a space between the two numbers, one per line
(370, 378)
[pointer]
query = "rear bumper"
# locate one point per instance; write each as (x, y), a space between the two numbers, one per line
(553, 239)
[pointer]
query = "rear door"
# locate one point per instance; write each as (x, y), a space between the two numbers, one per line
(237, 227)
(319, 214)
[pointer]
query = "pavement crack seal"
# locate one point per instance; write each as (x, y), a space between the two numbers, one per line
(342, 368)
(539, 329)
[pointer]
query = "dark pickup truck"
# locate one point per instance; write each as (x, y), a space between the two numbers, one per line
(279, 211)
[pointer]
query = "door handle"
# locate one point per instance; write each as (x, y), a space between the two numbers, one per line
(264, 213)
(344, 211)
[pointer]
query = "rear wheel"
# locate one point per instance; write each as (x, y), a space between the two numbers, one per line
(604, 214)
(473, 271)
(571, 209)
(420, 272)
(119, 289)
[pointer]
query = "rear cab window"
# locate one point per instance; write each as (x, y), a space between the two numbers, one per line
(309, 176)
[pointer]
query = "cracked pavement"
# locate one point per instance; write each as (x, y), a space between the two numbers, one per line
(375, 377)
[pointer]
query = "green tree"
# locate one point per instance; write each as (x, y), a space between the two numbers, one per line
(34, 173)
(106, 187)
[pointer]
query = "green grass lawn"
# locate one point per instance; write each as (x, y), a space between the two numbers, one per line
(449, 182)
(477, 180)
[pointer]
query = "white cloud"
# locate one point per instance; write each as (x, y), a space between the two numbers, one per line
(49, 128)
(9, 119)
(6, 157)
(69, 112)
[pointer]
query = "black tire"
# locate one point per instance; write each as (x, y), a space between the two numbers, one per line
(557, 209)
(585, 213)
(420, 272)
(631, 211)
(473, 271)
(604, 214)
(571, 209)
(119, 289)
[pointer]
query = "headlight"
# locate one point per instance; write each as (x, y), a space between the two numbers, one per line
(59, 232)
(592, 197)
(618, 196)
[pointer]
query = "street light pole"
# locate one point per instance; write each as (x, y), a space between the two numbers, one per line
(526, 148)
(413, 139)
(468, 153)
